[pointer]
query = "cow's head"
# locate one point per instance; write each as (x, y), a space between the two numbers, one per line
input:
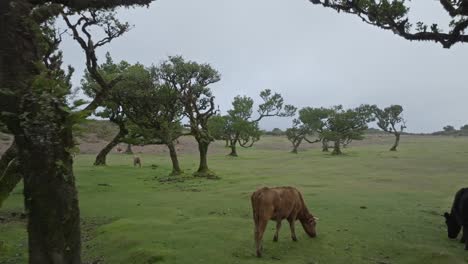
(453, 228)
(309, 224)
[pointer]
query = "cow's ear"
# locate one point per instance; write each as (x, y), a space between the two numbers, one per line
(446, 215)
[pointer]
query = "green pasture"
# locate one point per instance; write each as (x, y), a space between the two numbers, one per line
(374, 206)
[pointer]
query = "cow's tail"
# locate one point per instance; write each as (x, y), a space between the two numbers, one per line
(256, 217)
(255, 214)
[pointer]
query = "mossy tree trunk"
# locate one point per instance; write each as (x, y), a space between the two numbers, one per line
(397, 142)
(37, 120)
(296, 145)
(325, 145)
(203, 170)
(129, 149)
(233, 147)
(336, 148)
(50, 195)
(102, 156)
(175, 161)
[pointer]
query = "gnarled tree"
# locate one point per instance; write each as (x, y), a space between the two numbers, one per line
(110, 109)
(242, 129)
(33, 106)
(314, 120)
(388, 119)
(393, 15)
(343, 126)
(155, 107)
(191, 81)
(299, 133)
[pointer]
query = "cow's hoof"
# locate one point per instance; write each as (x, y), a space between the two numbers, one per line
(294, 239)
(259, 254)
(275, 239)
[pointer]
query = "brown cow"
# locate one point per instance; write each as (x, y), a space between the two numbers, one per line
(277, 204)
(136, 161)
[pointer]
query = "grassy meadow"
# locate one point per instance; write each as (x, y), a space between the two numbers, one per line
(374, 206)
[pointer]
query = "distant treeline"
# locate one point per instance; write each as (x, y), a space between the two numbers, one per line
(452, 131)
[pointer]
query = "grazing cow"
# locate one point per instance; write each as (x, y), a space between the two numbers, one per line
(277, 204)
(458, 217)
(136, 161)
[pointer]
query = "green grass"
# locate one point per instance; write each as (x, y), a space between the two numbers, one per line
(138, 219)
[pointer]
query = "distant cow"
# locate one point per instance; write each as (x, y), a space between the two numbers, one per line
(458, 217)
(136, 161)
(277, 204)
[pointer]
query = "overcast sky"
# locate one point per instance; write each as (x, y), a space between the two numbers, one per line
(311, 55)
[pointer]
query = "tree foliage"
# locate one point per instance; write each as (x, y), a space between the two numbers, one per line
(33, 107)
(241, 128)
(298, 133)
(345, 125)
(394, 15)
(449, 128)
(390, 120)
(190, 81)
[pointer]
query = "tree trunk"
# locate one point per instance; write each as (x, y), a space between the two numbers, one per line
(325, 145)
(51, 199)
(101, 157)
(336, 148)
(129, 149)
(203, 170)
(233, 148)
(43, 142)
(175, 162)
(296, 146)
(397, 141)
(294, 150)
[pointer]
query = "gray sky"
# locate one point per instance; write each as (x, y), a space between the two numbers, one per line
(311, 55)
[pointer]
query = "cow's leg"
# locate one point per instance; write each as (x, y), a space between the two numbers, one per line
(259, 235)
(464, 235)
(293, 229)
(464, 238)
(278, 227)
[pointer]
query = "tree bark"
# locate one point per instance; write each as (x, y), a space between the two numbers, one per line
(203, 170)
(296, 146)
(129, 149)
(43, 142)
(51, 199)
(102, 156)
(325, 145)
(294, 150)
(336, 148)
(397, 142)
(233, 148)
(175, 162)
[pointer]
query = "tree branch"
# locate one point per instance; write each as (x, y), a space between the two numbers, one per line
(374, 14)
